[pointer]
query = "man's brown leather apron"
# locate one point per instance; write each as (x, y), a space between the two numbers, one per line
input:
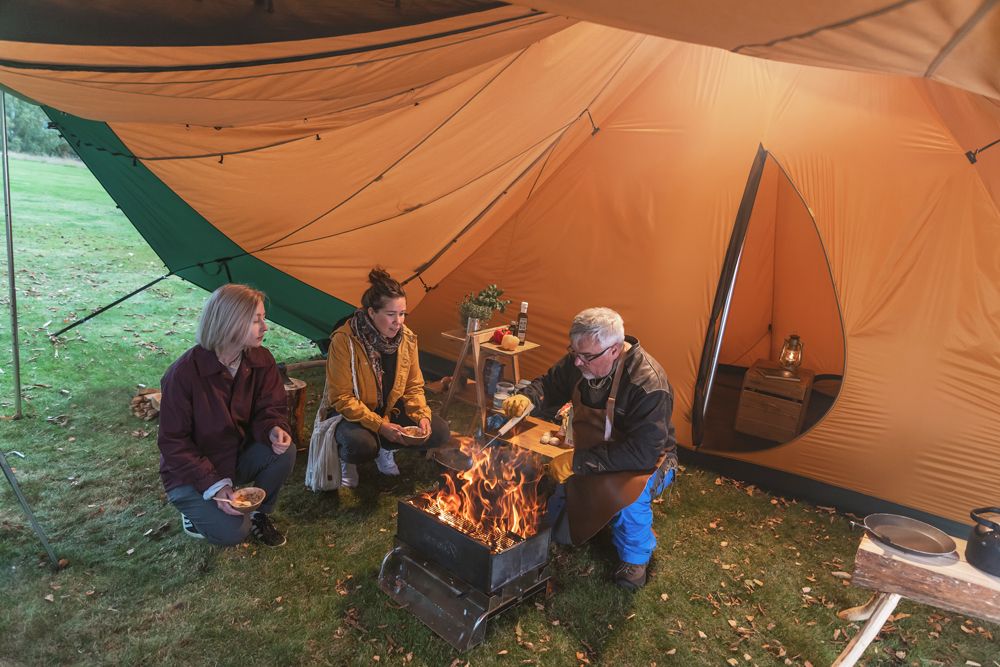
(593, 500)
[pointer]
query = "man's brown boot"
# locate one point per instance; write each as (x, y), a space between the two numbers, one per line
(630, 576)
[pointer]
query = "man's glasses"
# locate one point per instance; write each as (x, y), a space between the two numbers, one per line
(585, 357)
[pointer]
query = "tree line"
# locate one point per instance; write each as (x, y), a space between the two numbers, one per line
(28, 130)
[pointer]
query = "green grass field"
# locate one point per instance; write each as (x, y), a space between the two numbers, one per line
(741, 577)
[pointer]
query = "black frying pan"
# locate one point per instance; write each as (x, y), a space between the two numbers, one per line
(907, 535)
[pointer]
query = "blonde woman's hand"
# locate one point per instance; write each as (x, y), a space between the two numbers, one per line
(227, 493)
(280, 440)
(425, 426)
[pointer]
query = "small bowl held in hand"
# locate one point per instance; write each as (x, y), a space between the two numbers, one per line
(248, 499)
(413, 435)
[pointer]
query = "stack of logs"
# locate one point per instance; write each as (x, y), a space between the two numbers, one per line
(146, 404)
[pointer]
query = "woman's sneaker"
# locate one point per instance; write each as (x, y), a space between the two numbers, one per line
(264, 531)
(190, 529)
(386, 462)
(348, 474)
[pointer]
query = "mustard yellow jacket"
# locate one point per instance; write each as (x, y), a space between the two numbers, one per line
(409, 383)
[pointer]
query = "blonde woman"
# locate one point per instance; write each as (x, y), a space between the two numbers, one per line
(223, 422)
(380, 348)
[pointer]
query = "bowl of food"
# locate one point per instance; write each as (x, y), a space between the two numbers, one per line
(248, 499)
(413, 435)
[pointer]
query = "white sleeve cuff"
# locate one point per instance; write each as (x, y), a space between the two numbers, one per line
(215, 488)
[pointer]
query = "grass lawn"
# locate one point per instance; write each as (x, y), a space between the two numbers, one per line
(741, 577)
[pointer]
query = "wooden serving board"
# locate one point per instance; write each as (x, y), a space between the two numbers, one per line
(527, 435)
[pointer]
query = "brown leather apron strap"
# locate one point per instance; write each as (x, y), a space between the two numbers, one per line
(609, 409)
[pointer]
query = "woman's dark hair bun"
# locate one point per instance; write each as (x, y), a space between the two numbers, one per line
(379, 276)
(383, 287)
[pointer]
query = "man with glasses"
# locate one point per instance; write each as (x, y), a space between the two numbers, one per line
(625, 453)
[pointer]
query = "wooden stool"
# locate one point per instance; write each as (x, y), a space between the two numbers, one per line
(296, 396)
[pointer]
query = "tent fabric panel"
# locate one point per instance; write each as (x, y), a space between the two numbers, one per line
(974, 122)
(348, 198)
(265, 83)
(639, 219)
(748, 327)
(182, 238)
(805, 299)
(893, 256)
(905, 37)
(217, 22)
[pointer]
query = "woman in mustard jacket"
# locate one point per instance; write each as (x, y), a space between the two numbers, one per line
(375, 350)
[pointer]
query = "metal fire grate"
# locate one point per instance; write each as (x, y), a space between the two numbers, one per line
(494, 540)
(454, 582)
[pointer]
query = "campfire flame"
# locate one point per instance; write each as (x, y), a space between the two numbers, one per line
(496, 499)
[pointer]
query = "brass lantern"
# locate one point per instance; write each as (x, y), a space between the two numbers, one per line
(791, 354)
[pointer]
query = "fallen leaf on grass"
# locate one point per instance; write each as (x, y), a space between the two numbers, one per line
(733, 661)
(664, 597)
(672, 651)
(702, 635)
(130, 551)
(50, 597)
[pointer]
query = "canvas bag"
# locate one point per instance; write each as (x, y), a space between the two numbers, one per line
(323, 468)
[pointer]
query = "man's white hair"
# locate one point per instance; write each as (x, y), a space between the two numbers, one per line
(602, 324)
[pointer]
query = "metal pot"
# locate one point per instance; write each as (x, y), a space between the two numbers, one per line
(908, 535)
(983, 548)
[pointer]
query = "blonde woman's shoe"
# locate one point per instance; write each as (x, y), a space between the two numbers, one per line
(348, 474)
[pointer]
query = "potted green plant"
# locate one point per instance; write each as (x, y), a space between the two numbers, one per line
(482, 305)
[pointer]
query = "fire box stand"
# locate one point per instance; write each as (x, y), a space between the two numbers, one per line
(454, 583)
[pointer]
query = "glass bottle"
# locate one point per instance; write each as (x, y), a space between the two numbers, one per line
(522, 323)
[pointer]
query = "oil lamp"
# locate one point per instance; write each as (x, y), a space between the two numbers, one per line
(791, 354)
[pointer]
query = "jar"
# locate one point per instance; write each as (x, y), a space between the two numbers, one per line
(499, 398)
(522, 383)
(505, 386)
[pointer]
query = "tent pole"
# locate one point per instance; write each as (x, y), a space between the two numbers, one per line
(7, 470)
(9, 473)
(15, 343)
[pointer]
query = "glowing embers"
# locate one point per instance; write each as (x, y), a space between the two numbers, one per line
(497, 501)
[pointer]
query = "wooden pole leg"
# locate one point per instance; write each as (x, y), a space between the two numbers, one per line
(855, 649)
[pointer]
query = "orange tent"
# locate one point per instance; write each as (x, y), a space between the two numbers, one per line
(578, 164)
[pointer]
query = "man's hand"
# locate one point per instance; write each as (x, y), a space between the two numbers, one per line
(280, 440)
(391, 432)
(425, 426)
(561, 467)
(227, 493)
(517, 405)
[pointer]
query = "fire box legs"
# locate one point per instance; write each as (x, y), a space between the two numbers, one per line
(453, 609)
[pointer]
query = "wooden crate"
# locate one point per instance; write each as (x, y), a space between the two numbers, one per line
(771, 406)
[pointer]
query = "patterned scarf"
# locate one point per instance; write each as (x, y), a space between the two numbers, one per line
(375, 345)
